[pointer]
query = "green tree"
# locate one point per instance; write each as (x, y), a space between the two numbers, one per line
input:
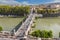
(42, 34)
(17, 10)
(1, 28)
(36, 33)
(50, 34)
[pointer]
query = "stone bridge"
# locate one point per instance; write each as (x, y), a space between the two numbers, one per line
(22, 32)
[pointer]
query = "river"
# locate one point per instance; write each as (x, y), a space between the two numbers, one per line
(49, 24)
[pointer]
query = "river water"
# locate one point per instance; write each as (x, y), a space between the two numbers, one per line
(49, 24)
(9, 23)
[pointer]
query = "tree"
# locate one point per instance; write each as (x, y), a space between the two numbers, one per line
(36, 33)
(50, 34)
(42, 34)
(17, 10)
(1, 28)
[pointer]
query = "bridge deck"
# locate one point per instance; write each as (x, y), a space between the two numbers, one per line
(24, 27)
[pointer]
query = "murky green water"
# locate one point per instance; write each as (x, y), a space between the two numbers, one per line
(49, 24)
(9, 23)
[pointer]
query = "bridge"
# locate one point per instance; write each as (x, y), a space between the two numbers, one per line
(22, 32)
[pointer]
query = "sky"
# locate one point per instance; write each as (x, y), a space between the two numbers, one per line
(28, 2)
